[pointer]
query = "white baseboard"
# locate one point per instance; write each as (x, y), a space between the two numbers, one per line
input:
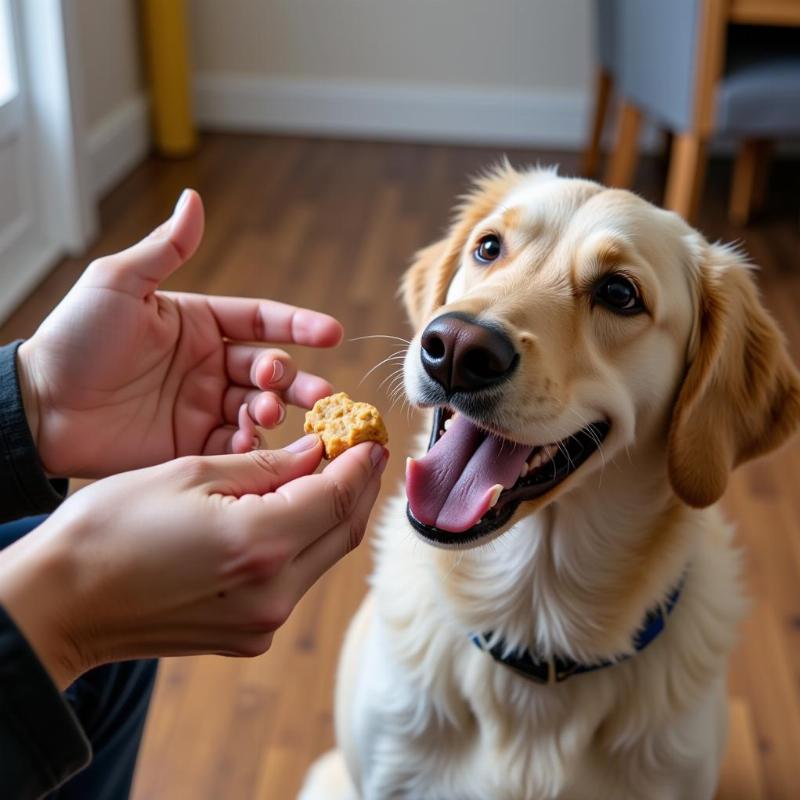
(27, 259)
(118, 143)
(458, 114)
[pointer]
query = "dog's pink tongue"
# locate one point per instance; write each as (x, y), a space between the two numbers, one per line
(451, 487)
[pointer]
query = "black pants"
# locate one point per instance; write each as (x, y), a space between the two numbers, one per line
(111, 703)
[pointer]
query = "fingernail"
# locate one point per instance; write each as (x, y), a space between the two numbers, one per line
(382, 465)
(281, 414)
(278, 371)
(182, 200)
(255, 443)
(303, 444)
(376, 454)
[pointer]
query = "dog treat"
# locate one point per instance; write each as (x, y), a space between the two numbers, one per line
(342, 423)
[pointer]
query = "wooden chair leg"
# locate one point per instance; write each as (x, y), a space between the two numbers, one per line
(687, 168)
(749, 180)
(626, 149)
(604, 85)
(744, 181)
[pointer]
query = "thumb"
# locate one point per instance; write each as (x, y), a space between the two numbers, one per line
(141, 268)
(263, 471)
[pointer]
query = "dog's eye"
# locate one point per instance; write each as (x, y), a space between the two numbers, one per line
(619, 294)
(488, 249)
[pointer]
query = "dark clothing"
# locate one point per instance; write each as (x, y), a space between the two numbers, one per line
(46, 737)
(111, 703)
(24, 488)
(41, 741)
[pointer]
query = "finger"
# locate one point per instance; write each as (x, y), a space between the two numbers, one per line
(220, 441)
(266, 408)
(312, 505)
(261, 471)
(303, 390)
(317, 559)
(245, 439)
(225, 441)
(141, 268)
(306, 389)
(251, 320)
(232, 402)
(265, 368)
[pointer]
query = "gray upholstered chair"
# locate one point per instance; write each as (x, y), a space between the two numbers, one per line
(700, 69)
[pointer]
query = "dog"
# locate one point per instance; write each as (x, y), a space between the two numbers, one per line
(554, 600)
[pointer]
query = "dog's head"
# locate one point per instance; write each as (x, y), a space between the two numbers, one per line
(560, 324)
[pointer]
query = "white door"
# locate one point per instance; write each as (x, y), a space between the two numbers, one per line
(45, 210)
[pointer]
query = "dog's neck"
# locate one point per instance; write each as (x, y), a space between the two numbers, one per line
(576, 578)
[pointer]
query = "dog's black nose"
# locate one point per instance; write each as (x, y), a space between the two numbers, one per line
(464, 355)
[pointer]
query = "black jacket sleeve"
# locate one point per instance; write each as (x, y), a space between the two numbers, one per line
(41, 741)
(24, 488)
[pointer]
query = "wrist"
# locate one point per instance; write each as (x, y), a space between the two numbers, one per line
(27, 388)
(35, 576)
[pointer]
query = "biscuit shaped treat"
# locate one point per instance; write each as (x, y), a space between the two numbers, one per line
(342, 424)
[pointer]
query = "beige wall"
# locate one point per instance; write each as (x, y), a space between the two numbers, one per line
(508, 43)
(109, 55)
(349, 67)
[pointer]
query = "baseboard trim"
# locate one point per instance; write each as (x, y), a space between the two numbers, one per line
(379, 110)
(27, 260)
(118, 143)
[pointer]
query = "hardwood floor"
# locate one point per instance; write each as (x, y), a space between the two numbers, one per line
(331, 225)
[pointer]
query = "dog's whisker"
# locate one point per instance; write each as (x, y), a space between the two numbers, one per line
(380, 336)
(565, 450)
(396, 397)
(395, 381)
(400, 398)
(392, 376)
(390, 392)
(592, 431)
(399, 353)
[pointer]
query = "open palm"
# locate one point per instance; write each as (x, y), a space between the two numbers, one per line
(122, 376)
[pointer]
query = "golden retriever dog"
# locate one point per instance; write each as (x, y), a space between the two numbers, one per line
(555, 598)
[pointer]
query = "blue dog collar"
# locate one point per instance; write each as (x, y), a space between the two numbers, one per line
(558, 669)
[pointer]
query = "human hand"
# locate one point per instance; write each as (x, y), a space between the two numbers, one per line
(122, 376)
(199, 555)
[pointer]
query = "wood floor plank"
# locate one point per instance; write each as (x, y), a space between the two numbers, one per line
(741, 772)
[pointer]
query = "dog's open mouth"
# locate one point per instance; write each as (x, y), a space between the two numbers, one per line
(471, 482)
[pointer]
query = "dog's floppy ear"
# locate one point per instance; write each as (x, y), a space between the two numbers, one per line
(425, 283)
(741, 395)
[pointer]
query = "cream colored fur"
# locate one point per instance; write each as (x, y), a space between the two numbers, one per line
(421, 713)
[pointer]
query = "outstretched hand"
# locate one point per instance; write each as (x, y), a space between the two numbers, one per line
(200, 555)
(122, 376)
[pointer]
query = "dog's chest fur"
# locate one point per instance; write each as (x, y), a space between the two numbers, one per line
(452, 723)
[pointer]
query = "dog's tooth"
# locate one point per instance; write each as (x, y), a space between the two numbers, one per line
(548, 452)
(496, 491)
(447, 422)
(535, 461)
(524, 469)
